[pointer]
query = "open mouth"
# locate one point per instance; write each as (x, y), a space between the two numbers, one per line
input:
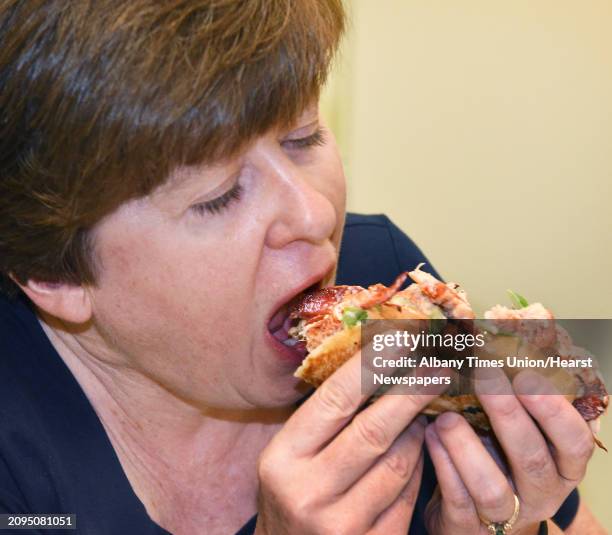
(280, 324)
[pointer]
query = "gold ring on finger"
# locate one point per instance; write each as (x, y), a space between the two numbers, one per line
(502, 528)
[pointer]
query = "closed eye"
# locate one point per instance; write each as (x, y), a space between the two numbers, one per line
(215, 206)
(316, 139)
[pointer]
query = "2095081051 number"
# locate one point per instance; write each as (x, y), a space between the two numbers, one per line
(37, 520)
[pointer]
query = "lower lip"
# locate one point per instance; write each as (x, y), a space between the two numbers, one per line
(286, 353)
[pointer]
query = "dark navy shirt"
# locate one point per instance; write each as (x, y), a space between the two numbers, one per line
(55, 456)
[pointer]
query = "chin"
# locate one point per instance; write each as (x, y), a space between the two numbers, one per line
(280, 394)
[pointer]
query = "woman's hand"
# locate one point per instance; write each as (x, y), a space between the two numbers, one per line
(543, 464)
(330, 470)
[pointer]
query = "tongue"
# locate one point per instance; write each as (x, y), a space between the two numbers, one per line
(278, 319)
(287, 324)
(282, 332)
(280, 324)
(282, 335)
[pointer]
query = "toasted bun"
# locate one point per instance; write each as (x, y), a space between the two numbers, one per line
(334, 350)
(341, 346)
(332, 353)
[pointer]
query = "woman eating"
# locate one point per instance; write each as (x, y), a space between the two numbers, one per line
(167, 186)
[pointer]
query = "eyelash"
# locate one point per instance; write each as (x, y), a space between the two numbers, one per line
(313, 140)
(219, 204)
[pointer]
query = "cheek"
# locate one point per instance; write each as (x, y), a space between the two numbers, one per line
(172, 289)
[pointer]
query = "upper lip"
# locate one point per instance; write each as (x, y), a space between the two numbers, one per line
(317, 277)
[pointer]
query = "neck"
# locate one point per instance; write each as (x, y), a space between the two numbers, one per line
(186, 464)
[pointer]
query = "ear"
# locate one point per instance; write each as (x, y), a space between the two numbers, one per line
(65, 301)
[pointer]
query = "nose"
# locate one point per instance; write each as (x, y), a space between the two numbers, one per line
(303, 207)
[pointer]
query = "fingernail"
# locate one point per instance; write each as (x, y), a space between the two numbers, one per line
(527, 383)
(493, 382)
(447, 420)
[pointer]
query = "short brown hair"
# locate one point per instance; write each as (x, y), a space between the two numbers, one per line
(100, 100)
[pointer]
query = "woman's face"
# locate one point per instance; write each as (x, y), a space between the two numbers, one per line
(191, 275)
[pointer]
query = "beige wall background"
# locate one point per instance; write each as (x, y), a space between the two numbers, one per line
(483, 128)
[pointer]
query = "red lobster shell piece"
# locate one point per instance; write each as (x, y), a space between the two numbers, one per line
(377, 294)
(321, 302)
(594, 401)
(448, 296)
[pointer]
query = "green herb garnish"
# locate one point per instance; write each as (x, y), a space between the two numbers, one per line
(353, 316)
(517, 299)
